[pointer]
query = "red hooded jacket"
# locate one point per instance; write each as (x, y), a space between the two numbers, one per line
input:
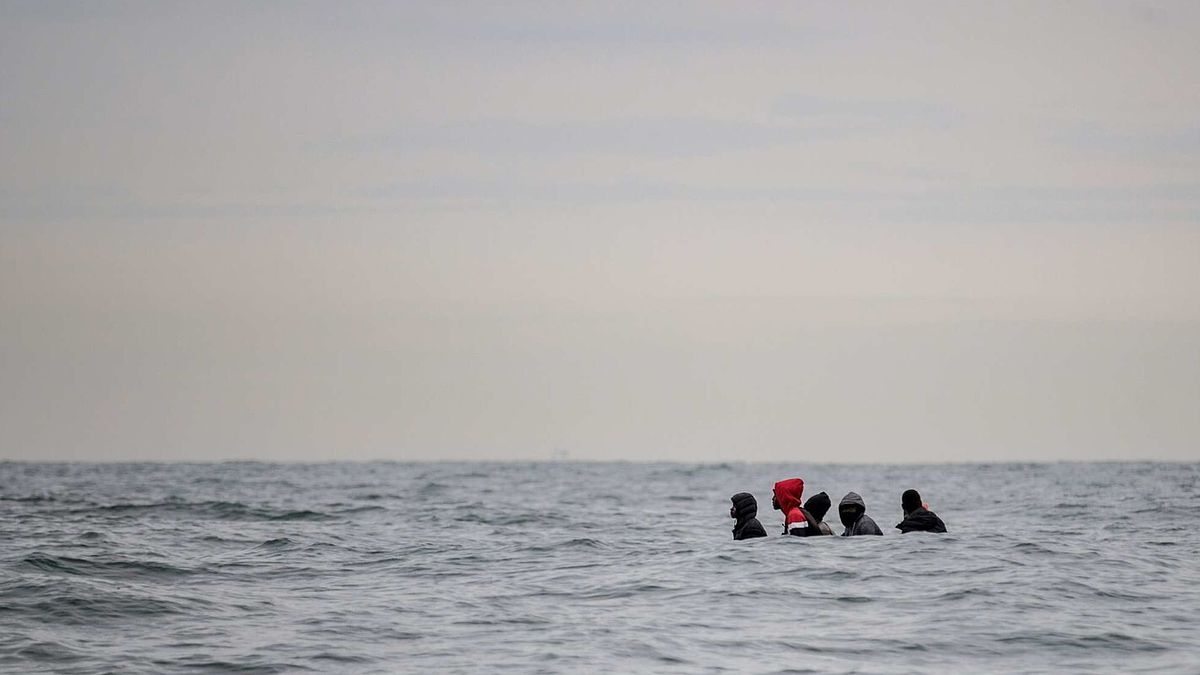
(787, 495)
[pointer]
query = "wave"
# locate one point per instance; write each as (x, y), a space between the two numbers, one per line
(245, 668)
(139, 569)
(506, 518)
(211, 510)
(303, 514)
(50, 651)
(375, 496)
(30, 499)
(359, 509)
(278, 542)
(1112, 640)
(84, 602)
(432, 488)
(577, 543)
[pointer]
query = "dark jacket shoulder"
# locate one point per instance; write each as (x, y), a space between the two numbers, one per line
(749, 529)
(865, 525)
(921, 520)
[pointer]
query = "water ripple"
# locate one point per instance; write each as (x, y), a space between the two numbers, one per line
(559, 567)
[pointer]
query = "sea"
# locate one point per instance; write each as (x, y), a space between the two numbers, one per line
(565, 567)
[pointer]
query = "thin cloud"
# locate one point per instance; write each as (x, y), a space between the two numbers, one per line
(666, 137)
(868, 114)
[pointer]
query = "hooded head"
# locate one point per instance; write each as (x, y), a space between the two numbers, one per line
(818, 505)
(745, 506)
(910, 501)
(851, 509)
(788, 493)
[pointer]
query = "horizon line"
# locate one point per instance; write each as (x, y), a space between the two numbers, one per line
(118, 462)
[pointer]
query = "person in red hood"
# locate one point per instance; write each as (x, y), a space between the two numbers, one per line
(786, 498)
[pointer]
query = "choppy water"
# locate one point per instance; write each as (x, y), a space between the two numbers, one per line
(562, 567)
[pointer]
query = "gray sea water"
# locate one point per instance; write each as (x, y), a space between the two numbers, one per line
(572, 567)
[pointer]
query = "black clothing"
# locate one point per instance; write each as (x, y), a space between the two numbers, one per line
(921, 520)
(816, 507)
(745, 508)
(749, 530)
(911, 501)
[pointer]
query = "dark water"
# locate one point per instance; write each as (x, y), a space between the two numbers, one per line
(261, 568)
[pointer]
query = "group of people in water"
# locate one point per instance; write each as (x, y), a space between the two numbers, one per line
(808, 519)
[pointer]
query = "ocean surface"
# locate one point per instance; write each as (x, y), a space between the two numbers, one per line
(576, 567)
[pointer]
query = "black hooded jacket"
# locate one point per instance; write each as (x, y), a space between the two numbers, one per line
(921, 519)
(817, 506)
(745, 508)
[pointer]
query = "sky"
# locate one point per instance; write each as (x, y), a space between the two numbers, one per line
(798, 232)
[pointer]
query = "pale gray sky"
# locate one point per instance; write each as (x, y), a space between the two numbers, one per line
(688, 231)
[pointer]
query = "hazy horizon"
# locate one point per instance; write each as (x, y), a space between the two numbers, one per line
(634, 231)
(647, 462)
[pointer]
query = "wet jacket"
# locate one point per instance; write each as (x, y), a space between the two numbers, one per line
(921, 519)
(795, 522)
(745, 508)
(817, 506)
(862, 524)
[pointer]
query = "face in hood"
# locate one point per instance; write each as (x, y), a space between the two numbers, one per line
(788, 493)
(745, 506)
(818, 505)
(851, 508)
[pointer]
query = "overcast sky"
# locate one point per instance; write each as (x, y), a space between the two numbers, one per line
(685, 231)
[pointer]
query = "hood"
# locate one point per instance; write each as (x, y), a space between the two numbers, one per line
(818, 505)
(851, 509)
(853, 498)
(744, 506)
(788, 493)
(911, 501)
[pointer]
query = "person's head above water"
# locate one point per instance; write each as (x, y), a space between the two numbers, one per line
(910, 501)
(745, 506)
(744, 510)
(851, 508)
(818, 505)
(787, 494)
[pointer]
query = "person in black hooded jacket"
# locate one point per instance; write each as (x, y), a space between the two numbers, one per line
(817, 506)
(918, 518)
(744, 510)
